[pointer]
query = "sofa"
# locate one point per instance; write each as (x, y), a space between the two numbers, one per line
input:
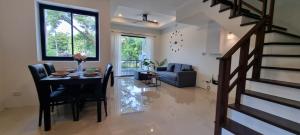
(179, 75)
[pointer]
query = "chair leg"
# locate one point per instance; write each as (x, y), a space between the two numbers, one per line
(40, 116)
(99, 111)
(74, 112)
(52, 108)
(105, 107)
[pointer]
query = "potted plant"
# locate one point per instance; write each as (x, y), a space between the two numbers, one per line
(148, 63)
(160, 63)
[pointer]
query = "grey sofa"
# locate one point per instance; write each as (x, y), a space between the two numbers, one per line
(179, 75)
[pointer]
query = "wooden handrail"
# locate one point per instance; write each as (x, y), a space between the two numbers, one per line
(242, 40)
(228, 80)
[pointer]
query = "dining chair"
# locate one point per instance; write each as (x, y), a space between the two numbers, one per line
(57, 97)
(49, 68)
(98, 93)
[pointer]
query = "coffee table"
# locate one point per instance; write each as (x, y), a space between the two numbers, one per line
(150, 75)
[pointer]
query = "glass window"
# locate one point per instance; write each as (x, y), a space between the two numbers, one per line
(65, 32)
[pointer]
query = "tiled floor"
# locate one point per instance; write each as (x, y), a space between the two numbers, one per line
(134, 109)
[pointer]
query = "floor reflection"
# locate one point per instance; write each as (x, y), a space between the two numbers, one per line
(131, 95)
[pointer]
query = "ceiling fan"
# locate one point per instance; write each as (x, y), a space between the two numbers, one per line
(145, 19)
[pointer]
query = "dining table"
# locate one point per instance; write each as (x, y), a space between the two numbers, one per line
(80, 80)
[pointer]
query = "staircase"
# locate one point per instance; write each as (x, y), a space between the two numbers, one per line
(266, 82)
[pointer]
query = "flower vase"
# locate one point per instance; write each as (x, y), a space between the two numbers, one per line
(80, 67)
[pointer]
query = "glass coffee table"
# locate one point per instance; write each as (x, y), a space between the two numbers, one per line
(152, 79)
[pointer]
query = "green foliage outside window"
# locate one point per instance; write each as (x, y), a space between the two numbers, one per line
(59, 34)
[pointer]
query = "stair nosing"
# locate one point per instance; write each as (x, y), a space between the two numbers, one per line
(271, 119)
(275, 99)
(281, 68)
(282, 43)
(249, 23)
(284, 33)
(276, 82)
(280, 55)
(231, 125)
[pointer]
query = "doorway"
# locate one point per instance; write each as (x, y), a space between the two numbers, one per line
(131, 53)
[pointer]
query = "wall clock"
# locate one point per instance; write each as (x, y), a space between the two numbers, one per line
(176, 41)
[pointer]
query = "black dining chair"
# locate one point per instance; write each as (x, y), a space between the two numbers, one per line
(49, 68)
(98, 93)
(57, 97)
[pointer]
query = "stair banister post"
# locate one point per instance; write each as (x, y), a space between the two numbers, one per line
(271, 14)
(259, 46)
(222, 94)
(240, 7)
(235, 7)
(242, 74)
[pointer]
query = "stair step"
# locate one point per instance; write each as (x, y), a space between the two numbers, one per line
(276, 82)
(275, 99)
(284, 33)
(251, 15)
(239, 129)
(281, 68)
(228, 3)
(279, 27)
(280, 55)
(268, 118)
(282, 43)
(249, 23)
(224, 9)
(255, 22)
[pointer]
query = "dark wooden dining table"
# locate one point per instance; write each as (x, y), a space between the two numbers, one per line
(51, 80)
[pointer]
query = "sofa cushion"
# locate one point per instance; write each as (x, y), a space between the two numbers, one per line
(185, 67)
(170, 75)
(177, 68)
(170, 67)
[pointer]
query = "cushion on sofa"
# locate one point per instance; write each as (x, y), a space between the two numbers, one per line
(169, 75)
(185, 67)
(177, 68)
(170, 67)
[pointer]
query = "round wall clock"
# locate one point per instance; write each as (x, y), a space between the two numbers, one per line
(176, 41)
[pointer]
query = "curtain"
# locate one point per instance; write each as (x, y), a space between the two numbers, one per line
(116, 41)
(147, 49)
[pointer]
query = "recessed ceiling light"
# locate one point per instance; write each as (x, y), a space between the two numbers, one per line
(154, 20)
(120, 15)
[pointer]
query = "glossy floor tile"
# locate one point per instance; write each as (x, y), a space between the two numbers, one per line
(134, 109)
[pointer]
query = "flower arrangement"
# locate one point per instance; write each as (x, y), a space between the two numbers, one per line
(79, 58)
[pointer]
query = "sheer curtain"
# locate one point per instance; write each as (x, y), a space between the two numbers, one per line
(116, 41)
(147, 49)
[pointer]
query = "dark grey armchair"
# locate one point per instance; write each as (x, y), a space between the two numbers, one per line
(179, 75)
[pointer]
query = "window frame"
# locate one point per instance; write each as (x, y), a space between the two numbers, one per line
(72, 11)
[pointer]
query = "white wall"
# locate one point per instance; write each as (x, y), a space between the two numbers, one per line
(286, 14)
(18, 39)
(2, 91)
(194, 49)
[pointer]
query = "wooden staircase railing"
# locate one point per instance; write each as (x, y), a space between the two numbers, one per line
(265, 11)
(247, 60)
(226, 81)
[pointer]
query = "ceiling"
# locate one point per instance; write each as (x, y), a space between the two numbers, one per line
(164, 11)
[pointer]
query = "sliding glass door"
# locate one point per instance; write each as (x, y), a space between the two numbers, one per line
(131, 54)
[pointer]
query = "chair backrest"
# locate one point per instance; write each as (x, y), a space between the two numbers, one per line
(38, 72)
(49, 68)
(108, 72)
